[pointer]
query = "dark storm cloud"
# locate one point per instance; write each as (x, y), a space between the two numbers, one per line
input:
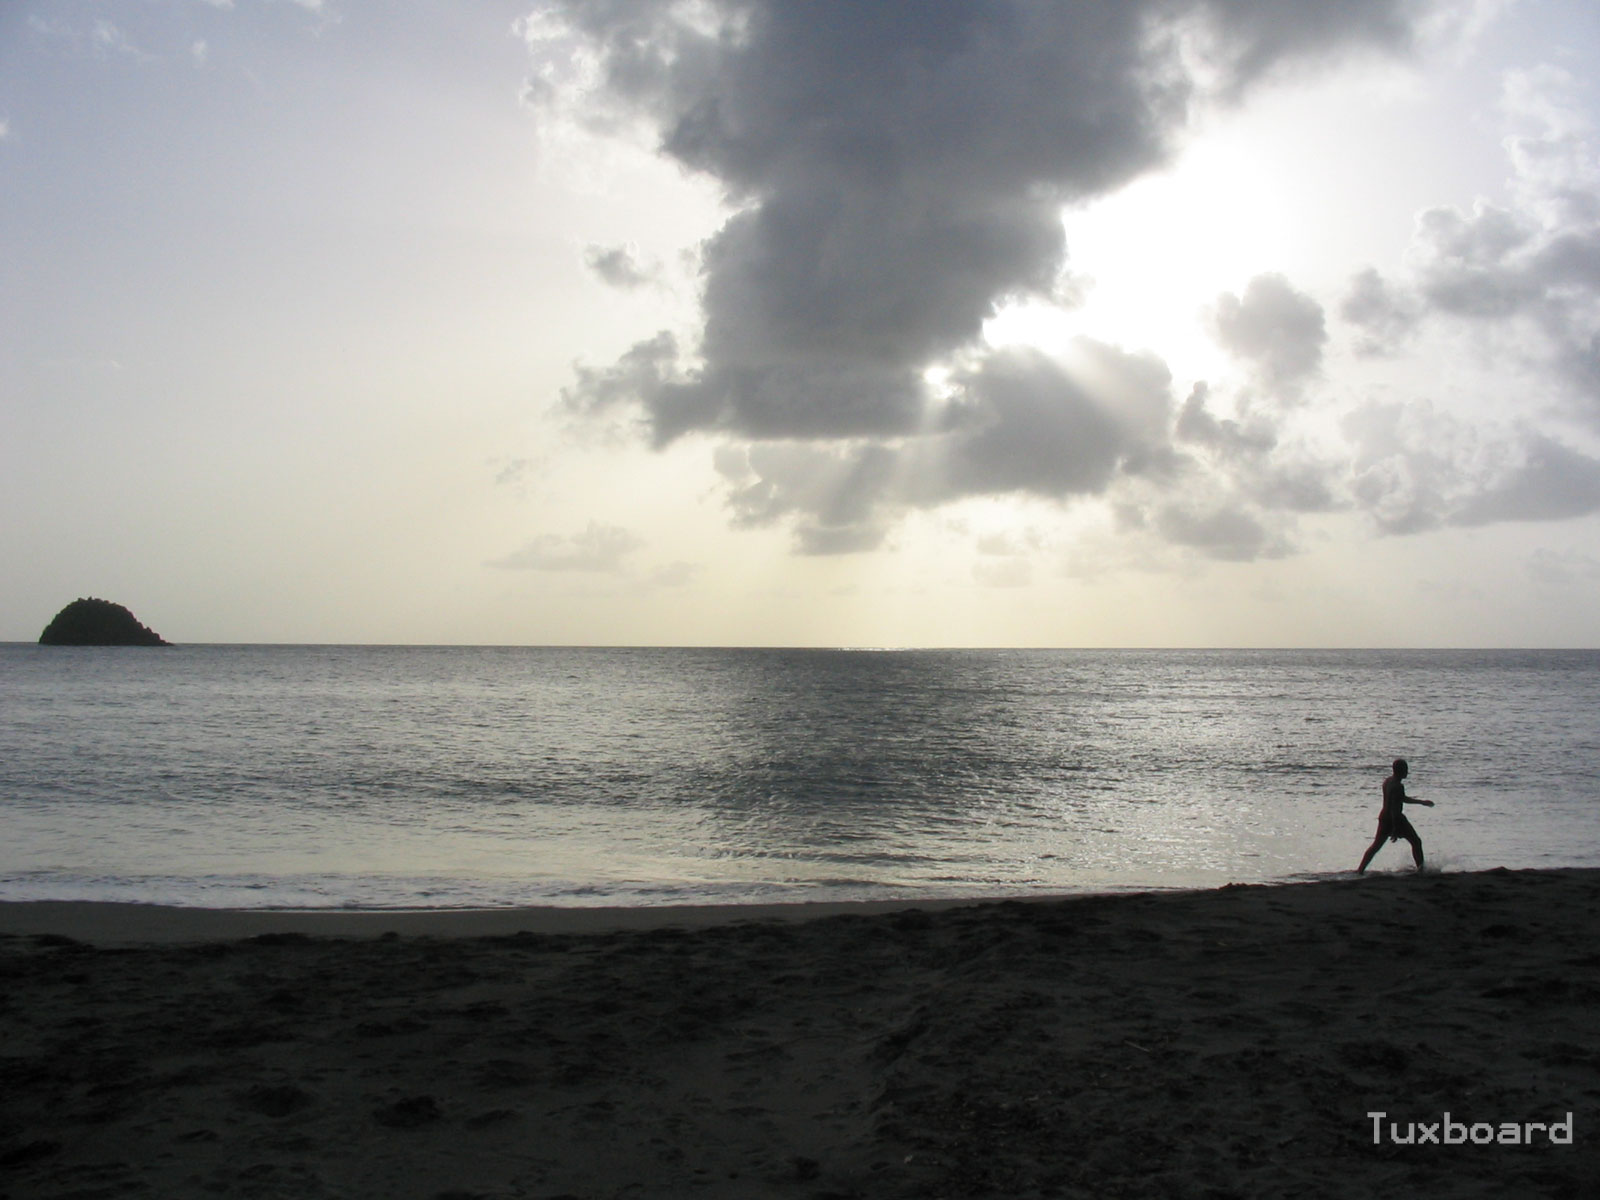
(1250, 38)
(1280, 332)
(839, 496)
(898, 170)
(1018, 423)
(1024, 422)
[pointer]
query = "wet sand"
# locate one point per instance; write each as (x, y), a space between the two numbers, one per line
(1207, 1044)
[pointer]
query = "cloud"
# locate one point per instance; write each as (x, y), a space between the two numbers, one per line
(598, 548)
(1385, 315)
(1228, 532)
(522, 476)
(1280, 332)
(1018, 422)
(1473, 264)
(1417, 469)
(1548, 482)
(617, 266)
(1027, 423)
(1099, 423)
(1523, 277)
(1246, 39)
(512, 472)
(841, 498)
(1251, 456)
(895, 171)
(1224, 436)
(646, 367)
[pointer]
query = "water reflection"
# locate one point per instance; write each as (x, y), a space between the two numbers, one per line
(531, 774)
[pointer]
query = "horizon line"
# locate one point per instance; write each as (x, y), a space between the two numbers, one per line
(863, 647)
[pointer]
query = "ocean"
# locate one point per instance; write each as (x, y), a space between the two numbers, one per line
(442, 777)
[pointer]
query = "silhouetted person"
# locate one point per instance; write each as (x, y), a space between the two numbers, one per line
(1392, 823)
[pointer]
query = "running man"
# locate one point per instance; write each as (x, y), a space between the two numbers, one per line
(1392, 823)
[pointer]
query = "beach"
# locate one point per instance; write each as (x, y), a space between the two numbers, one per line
(1230, 1042)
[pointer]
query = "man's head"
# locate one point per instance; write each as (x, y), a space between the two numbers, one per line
(1400, 768)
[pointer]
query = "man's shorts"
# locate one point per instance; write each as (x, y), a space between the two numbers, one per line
(1396, 828)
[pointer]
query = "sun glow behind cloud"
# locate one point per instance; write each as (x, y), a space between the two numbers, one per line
(1149, 260)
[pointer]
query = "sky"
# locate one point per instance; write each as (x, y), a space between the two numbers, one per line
(751, 322)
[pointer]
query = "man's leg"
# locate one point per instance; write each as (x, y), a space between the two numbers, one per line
(1377, 843)
(1416, 847)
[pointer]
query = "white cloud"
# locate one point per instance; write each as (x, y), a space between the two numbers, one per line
(1279, 331)
(1386, 316)
(1524, 278)
(1418, 469)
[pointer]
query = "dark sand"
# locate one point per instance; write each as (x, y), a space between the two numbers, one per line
(1206, 1044)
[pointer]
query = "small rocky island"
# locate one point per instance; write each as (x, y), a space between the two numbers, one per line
(94, 622)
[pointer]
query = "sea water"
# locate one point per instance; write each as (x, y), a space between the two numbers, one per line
(338, 776)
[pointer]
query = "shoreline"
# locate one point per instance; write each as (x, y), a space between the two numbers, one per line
(1232, 1041)
(114, 923)
(125, 923)
(132, 923)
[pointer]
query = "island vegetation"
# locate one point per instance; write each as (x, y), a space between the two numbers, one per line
(92, 622)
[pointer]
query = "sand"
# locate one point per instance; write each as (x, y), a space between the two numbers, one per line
(1206, 1044)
